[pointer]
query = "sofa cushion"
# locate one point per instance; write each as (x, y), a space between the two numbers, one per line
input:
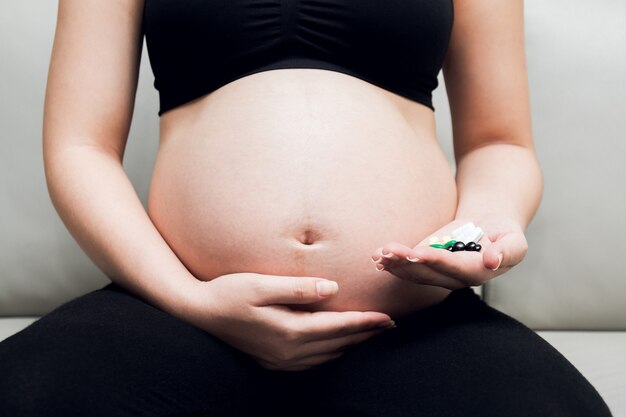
(12, 325)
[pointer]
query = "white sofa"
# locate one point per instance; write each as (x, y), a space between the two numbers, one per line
(571, 288)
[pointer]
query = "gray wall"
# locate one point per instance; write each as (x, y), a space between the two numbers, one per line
(572, 276)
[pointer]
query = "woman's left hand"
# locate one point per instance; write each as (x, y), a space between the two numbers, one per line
(503, 246)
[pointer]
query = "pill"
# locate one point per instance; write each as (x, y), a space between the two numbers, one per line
(458, 246)
(437, 245)
(474, 235)
(449, 243)
(461, 230)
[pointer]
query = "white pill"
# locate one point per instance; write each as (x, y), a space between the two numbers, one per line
(460, 232)
(475, 235)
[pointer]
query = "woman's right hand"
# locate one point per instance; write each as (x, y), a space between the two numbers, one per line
(245, 311)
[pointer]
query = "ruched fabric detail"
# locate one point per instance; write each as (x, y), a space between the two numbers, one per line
(196, 47)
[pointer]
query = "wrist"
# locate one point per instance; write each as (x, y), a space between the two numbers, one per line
(185, 299)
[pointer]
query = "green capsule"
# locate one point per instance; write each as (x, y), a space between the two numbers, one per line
(436, 245)
(449, 243)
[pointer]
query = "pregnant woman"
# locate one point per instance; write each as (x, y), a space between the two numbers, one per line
(297, 185)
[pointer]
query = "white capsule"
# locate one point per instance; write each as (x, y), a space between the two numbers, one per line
(475, 235)
(460, 232)
(459, 238)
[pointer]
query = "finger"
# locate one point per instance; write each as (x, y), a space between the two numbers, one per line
(392, 251)
(433, 256)
(332, 348)
(397, 255)
(466, 267)
(507, 251)
(343, 343)
(456, 263)
(313, 361)
(275, 289)
(390, 255)
(425, 275)
(322, 325)
(305, 364)
(316, 360)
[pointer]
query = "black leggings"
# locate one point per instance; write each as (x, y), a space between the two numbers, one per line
(110, 353)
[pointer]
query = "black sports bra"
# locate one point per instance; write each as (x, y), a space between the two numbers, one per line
(197, 46)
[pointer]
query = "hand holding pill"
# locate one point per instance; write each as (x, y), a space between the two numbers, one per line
(465, 252)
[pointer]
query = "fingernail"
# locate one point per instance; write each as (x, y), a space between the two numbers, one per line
(412, 259)
(499, 262)
(388, 255)
(389, 323)
(325, 288)
(375, 260)
(382, 267)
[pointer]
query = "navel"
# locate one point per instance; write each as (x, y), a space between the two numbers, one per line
(309, 236)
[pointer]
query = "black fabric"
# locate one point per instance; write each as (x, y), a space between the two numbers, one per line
(197, 46)
(109, 353)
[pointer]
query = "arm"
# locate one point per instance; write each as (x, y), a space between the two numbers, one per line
(486, 81)
(498, 177)
(88, 109)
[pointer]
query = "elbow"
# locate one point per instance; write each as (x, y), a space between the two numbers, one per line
(73, 165)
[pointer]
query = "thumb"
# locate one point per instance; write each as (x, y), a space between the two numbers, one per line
(275, 289)
(509, 250)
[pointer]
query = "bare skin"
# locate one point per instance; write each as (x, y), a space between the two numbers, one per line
(302, 169)
(259, 193)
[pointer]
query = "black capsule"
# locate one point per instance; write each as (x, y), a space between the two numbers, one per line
(458, 246)
(450, 248)
(478, 248)
(471, 246)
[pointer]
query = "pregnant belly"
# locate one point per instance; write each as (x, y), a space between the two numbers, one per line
(305, 184)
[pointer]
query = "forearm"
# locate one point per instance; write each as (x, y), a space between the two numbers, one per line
(99, 206)
(503, 179)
